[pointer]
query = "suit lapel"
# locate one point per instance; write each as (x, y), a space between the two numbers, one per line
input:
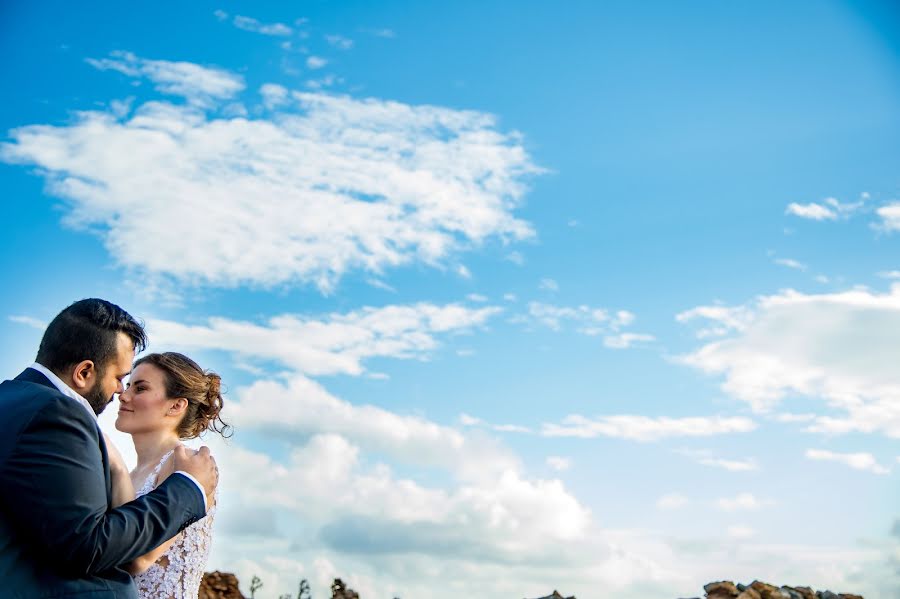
(33, 376)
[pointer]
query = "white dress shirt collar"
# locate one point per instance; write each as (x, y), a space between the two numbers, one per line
(64, 388)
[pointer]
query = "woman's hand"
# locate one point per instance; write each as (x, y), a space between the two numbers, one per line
(122, 487)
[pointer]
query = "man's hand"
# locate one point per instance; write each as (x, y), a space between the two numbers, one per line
(201, 465)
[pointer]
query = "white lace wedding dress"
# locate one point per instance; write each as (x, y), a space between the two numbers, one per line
(177, 573)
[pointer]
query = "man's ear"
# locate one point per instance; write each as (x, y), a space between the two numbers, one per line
(84, 374)
(178, 408)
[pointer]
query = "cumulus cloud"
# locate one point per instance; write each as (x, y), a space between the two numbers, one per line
(199, 84)
(890, 217)
(644, 428)
(838, 347)
(316, 62)
(857, 461)
(333, 344)
(326, 185)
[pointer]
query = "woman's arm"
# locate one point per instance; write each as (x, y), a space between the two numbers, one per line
(144, 562)
(122, 487)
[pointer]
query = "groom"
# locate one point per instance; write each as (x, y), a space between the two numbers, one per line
(58, 535)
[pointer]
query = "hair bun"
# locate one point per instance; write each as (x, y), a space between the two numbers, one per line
(213, 389)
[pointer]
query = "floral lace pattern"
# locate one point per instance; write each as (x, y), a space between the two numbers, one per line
(177, 573)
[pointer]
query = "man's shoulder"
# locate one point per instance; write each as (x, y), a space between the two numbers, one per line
(23, 400)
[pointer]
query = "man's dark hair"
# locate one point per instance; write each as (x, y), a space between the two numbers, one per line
(87, 330)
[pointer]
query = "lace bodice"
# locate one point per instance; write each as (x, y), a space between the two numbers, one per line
(177, 573)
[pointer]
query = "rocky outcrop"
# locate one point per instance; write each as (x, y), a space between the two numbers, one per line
(219, 585)
(340, 591)
(556, 595)
(726, 589)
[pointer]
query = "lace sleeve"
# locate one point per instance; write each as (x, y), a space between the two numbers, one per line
(177, 574)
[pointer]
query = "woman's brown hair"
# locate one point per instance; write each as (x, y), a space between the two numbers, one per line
(201, 388)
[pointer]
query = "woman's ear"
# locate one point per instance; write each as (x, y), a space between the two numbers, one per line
(84, 375)
(178, 407)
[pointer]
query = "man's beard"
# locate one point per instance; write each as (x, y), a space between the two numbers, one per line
(96, 398)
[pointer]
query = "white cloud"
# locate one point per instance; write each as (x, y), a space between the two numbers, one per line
(199, 84)
(743, 501)
(251, 24)
(28, 321)
(829, 209)
(740, 532)
(588, 320)
(890, 274)
(790, 263)
(548, 285)
(467, 420)
(858, 461)
(559, 463)
(385, 33)
(303, 407)
(840, 347)
(789, 417)
(552, 316)
(723, 318)
(220, 14)
(274, 95)
(476, 297)
(811, 211)
(334, 344)
(324, 82)
(890, 217)
(340, 42)
(672, 501)
(511, 428)
(316, 62)
(516, 258)
(644, 428)
(707, 458)
(626, 340)
(328, 185)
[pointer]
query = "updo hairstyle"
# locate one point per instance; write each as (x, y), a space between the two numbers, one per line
(202, 389)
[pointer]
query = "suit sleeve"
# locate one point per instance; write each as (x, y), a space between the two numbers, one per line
(55, 486)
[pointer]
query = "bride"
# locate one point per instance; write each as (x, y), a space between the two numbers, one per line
(169, 398)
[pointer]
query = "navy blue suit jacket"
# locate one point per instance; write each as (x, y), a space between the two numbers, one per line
(59, 537)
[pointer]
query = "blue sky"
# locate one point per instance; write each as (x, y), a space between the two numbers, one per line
(507, 296)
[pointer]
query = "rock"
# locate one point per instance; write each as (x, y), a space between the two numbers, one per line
(340, 591)
(219, 585)
(768, 591)
(556, 595)
(758, 589)
(799, 592)
(721, 590)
